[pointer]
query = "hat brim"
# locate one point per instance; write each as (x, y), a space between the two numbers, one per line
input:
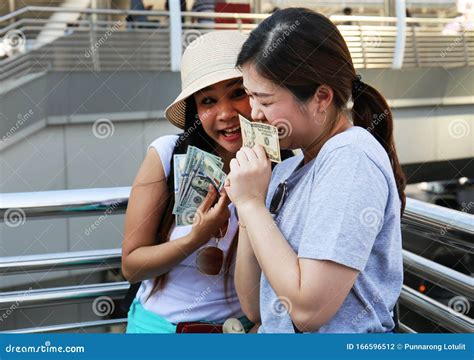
(176, 111)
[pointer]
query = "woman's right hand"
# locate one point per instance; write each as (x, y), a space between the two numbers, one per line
(210, 218)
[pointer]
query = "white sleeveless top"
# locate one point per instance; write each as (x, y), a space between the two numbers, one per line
(188, 294)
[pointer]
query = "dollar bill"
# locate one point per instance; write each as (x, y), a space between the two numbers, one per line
(204, 173)
(216, 158)
(179, 161)
(254, 133)
(193, 172)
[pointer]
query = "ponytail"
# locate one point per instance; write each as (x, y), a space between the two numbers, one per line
(371, 111)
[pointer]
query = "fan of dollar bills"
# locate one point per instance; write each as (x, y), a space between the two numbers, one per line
(193, 172)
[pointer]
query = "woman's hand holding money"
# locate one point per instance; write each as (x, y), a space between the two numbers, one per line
(211, 216)
(249, 177)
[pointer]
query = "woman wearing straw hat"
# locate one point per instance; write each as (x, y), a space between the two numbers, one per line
(175, 287)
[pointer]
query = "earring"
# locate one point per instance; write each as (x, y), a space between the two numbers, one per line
(323, 118)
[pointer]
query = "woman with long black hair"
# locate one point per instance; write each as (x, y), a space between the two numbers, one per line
(320, 237)
(179, 282)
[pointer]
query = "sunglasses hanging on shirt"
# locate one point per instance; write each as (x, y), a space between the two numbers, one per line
(283, 189)
(279, 197)
(210, 259)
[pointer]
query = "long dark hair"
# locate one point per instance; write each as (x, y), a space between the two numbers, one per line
(193, 135)
(300, 50)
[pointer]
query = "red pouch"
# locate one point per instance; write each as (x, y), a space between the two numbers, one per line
(198, 328)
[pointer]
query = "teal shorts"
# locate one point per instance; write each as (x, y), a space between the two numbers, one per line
(143, 321)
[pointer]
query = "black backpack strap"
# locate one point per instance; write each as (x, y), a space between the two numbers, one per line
(396, 319)
(125, 303)
(297, 331)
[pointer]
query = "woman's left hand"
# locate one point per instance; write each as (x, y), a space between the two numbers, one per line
(249, 176)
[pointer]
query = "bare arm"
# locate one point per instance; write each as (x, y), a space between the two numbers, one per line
(141, 258)
(247, 278)
(316, 289)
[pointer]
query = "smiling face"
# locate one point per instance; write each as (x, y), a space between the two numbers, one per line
(299, 123)
(277, 106)
(219, 106)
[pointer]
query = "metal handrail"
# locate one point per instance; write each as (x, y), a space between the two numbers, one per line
(75, 293)
(447, 226)
(414, 300)
(450, 227)
(439, 215)
(66, 327)
(438, 274)
(77, 260)
(422, 218)
(436, 311)
(365, 33)
(336, 18)
(406, 329)
(111, 259)
(65, 203)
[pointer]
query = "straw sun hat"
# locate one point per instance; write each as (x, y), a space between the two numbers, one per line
(207, 60)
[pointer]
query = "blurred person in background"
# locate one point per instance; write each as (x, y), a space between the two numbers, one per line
(204, 6)
(348, 12)
(184, 7)
(464, 22)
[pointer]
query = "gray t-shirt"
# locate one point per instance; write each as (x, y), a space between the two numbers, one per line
(344, 208)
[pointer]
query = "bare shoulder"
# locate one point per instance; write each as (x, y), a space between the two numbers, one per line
(147, 202)
(151, 171)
